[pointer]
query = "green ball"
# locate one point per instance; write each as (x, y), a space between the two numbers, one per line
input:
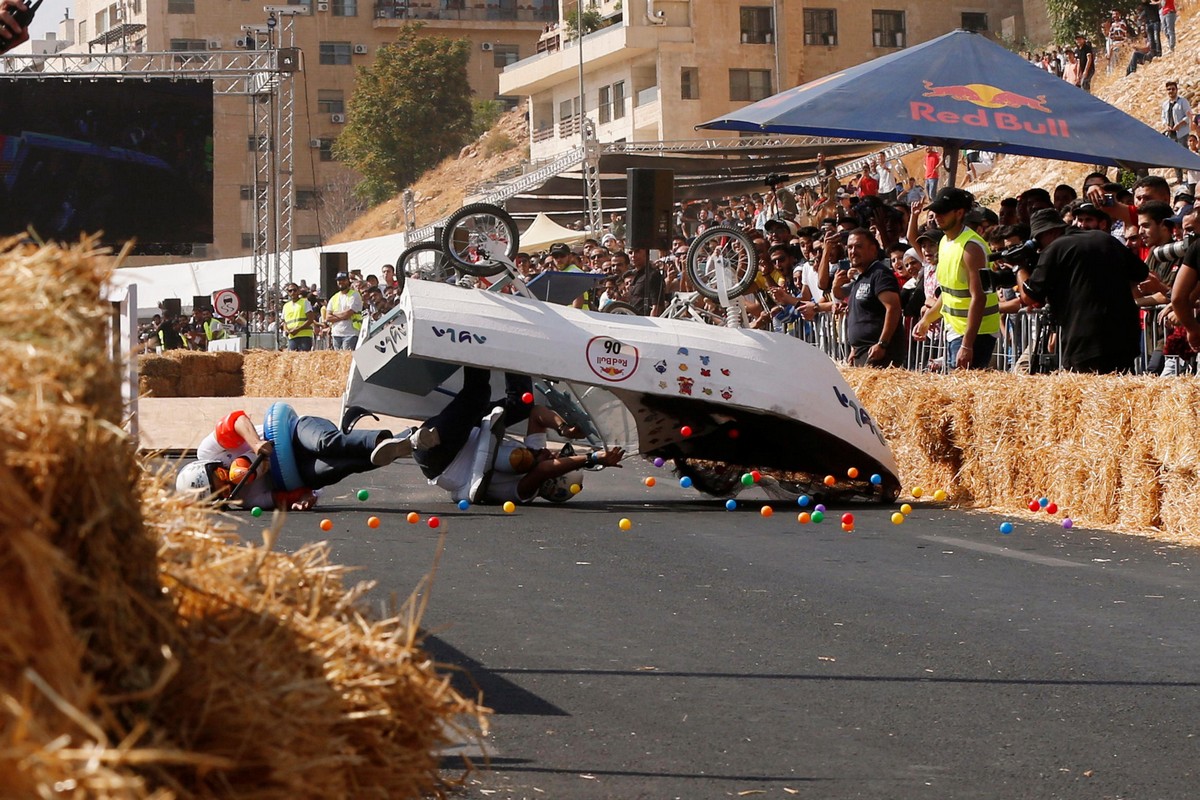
(256, 512)
(363, 494)
(817, 516)
(747, 479)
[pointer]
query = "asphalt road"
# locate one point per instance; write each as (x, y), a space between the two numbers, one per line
(707, 653)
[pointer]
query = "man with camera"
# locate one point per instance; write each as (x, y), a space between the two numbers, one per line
(1088, 278)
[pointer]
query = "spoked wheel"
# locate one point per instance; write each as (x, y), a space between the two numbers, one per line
(425, 262)
(722, 253)
(480, 239)
(618, 307)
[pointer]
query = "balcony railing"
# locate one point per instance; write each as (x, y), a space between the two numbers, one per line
(464, 11)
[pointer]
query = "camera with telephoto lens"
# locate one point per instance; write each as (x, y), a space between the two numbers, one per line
(1012, 258)
(774, 179)
(1174, 250)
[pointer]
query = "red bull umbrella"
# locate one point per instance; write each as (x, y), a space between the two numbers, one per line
(963, 91)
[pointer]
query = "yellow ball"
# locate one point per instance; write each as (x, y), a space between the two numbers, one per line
(766, 511)
(897, 518)
(939, 495)
(624, 524)
(906, 509)
(576, 488)
(917, 491)
(509, 506)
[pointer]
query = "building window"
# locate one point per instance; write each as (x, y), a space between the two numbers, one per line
(604, 103)
(181, 6)
(689, 83)
(974, 21)
(757, 25)
(306, 240)
(326, 150)
(505, 54)
(345, 8)
(335, 53)
(331, 101)
(509, 102)
(820, 27)
(83, 31)
(102, 20)
(253, 143)
(187, 45)
(749, 84)
(247, 241)
(618, 100)
(887, 28)
(246, 192)
(568, 117)
(306, 199)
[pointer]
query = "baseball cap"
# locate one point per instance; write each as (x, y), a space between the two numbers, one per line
(1043, 221)
(776, 223)
(341, 276)
(932, 234)
(1184, 194)
(951, 198)
(560, 249)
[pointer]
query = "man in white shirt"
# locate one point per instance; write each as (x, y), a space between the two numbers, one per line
(886, 178)
(344, 311)
(1176, 119)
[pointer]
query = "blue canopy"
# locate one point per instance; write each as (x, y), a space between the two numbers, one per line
(963, 91)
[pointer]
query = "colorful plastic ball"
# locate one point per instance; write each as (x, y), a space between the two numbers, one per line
(731, 504)
(876, 479)
(1043, 501)
(917, 491)
(326, 525)
(685, 482)
(434, 522)
(848, 527)
(372, 522)
(1068, 523)
(804, 518)
(803, 500)
(818, 516)
(848, 518)
(256, 512)
(852, 472)
(413, 518)
(1034, 506)
(1052, 508)
(820, 507)
(363, 494)
(509, 506)
(463, 505)
(658, 462)
(830, 480)
(755, 475)
(733, 433)
(685, 431)
(766, 511)
(1006, 528)
(939, 496)
(649, 481)
(527, 398)
(625, 524)
(747, 479)
(576, 488)
(897, 518)
(905, 509)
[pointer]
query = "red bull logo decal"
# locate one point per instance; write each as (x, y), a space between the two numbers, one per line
(611, 359)
(990, 99)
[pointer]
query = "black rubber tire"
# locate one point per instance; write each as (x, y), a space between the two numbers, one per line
(619, 307)
(475, 222)
(712, 478)
(411, 262)
(722, 247)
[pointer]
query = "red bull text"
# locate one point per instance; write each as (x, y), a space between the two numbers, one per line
(990, 99)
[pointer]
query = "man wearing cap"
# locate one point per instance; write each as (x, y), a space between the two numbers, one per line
(344, 313)
(971, 313)
(1088, 278)
(299, 320)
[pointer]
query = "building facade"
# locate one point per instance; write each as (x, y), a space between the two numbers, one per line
(658, 68)
(334, 37)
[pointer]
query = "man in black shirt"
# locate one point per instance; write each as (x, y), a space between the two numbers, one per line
(1086, 58)
(1088, 279)
(647, 292)
(873, 294)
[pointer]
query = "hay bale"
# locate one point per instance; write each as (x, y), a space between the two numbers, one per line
(226, 362)
(149, 386)
(321, 373)
(226, 385)
(156, 366)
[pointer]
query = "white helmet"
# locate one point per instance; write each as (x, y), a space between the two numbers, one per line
(197, 478)
(558, 490)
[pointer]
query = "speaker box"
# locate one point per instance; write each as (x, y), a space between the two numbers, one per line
(201, 302)
(650, 200)
(245, 286)
(172, 307)
(331, 265)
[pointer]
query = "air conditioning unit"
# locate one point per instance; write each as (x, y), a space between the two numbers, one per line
(360, 49)
(241, 42)
(322, 6)
(337, 119)
(214, 44)
(315, 144)
(486, 47)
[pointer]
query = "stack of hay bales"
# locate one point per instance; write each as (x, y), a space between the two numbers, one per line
(144, 651)
(182, 373)
(321, 373)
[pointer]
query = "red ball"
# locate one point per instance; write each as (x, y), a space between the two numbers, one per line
(1052, 508)
(434, 522)
(756, 475)
(1034, 506)
(733, 433)
(847, 519)
(686, 431)
(527, 398)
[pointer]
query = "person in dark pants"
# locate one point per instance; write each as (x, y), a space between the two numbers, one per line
(870, 287)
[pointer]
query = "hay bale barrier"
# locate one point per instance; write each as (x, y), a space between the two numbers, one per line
(320, 373)
(145, 651)
(1111, 451)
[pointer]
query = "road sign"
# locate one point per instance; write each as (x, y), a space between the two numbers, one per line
(226, 303)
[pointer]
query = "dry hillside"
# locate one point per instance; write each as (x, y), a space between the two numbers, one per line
(441, 190)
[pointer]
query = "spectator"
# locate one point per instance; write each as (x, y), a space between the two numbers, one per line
(1167, 16)
(1176, 119)
(646, 287)
(868, 184)
(933, 160)
(299, 320)
(1086, 57)
(344, 314)
(869, 286)
(1071, 69)
(1152, 25)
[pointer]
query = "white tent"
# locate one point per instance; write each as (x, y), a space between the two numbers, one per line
(544, 232)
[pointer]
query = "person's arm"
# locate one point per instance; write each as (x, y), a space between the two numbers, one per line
(542, 419)
(914, 223)
(554, 467)
(974, 259)
(244, 427)
(891, 324)
(1181, 303)
(828, 243)
(840, 281)
(931, 315)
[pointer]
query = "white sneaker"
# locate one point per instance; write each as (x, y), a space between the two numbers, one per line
(425, 439)
(389, 450)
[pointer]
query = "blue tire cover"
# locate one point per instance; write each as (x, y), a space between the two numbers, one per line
(278, 428)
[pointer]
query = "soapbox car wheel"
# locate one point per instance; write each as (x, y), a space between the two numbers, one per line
(722, 253)
(618, 307)
(424, 261)
(711, 477)
(480, 239)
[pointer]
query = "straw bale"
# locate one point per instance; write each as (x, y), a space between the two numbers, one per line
(321, 373)
(150, 386)
(156, 366)
(226, 385)
(226, 361)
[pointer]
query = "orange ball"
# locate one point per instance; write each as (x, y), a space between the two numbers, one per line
(766, 511)
(852, 472)
(326, 524)
(804, 518)
(830, 480)
(848, 527)
(372, 522)
(413, 517)
(649, 481)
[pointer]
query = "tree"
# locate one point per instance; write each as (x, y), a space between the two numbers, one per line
(591, 21)
(410, 109)
(1069, 17)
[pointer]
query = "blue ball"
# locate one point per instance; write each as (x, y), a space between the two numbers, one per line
(463, 505)
(658, 462)
(876, 479)
(1006, 528)
(685, 482)
(1043, 501)
(731, 504)
(803, 500)
(820, 507)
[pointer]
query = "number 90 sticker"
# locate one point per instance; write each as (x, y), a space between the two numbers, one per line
(610, 359)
